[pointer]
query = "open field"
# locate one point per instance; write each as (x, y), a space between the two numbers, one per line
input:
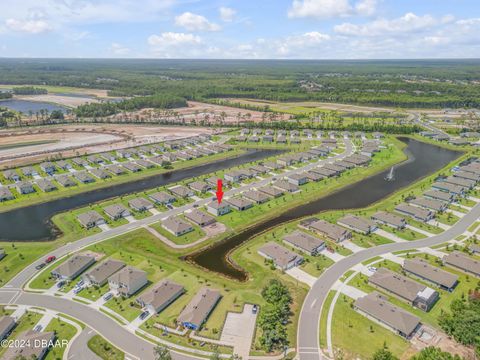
(85, 139)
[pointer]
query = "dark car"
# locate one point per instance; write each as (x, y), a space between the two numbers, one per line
(40, 266)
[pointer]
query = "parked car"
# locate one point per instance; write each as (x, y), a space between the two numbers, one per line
(40, 266)
(60, 284)
(51, 258)
(169, 206)
(254, 309)
(107, 296)
(144, 315)
(80, 283)
(372, 268)
(77, 290)
(38, 328)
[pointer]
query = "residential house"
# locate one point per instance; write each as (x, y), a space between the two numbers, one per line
(162, 197)
(199, 308)
(467, 175)
(416, 213)
(46, 185)
(469, 184)
(90, 219)
(83, 177)
(48, 167)
(199, 217)
(283, 258)
(271, 191)
(24, 187)
(127, 281)
(239, 203)
(285, 186)
(430, 203)
(256, 196)
(449, 188)
(440, 195)
(95, 160)
(331, 231)
(305, 242)
(218, 209)
(325, 172)
(145, 163)
(140, 204)
(177, 226)
(73, 267)
(115, 169)
(414, 293)
(29, 171)
(116, 211)
(181, 191)
(376, 307)
(98, 275)
(200, 186)
(6, 194)
(389, 219)
(427, 272)
(7, 323)
(463, 262)
(79, 161)
(64, 165)
(358, 224)
(100, 173)
(160, 296)
(11, 175)
(297, 179)
(272, 165)
(65, 181)
(313, 176)
(133, 167)
(35, 345)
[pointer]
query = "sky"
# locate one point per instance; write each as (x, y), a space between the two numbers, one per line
(241, 29)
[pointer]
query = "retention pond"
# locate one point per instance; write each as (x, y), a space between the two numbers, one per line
(423, 159)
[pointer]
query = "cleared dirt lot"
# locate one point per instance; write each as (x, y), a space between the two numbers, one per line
(84, 139)
(198, 113)
(69, 101)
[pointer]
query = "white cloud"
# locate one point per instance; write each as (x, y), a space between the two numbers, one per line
(366, 7)
(323, 9)
(227, 14)
(174, 39)
(194, 22)
(85, 11)
(118, 49)
(28, 26)
(291, 45)
(405, 24)
(319, 8)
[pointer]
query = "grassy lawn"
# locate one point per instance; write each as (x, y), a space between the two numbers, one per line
(324, 318)
(125, 307)
(21, 254)
(406, 234)
(447, 218)
(63, 331)
(93, 293)
(358, 336)
(104, 349)
(187, 238)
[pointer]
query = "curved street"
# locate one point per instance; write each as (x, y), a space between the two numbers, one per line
(308, 335)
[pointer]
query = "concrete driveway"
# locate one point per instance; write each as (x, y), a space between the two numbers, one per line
(238, 331)
(301, 276)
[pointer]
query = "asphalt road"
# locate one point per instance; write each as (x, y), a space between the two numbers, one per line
(308, 334)
(79, 349)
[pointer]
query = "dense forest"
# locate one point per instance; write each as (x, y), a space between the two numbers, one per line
(397, 83)
(29, 90)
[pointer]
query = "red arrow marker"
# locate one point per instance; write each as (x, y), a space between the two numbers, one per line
(219, 191)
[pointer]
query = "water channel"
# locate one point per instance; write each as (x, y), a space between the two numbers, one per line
(33, 223)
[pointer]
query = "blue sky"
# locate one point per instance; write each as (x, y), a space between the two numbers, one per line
(290, 29)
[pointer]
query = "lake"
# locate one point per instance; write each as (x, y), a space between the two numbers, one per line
(25, 106)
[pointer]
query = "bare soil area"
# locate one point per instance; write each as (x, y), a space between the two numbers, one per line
(71, 140)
